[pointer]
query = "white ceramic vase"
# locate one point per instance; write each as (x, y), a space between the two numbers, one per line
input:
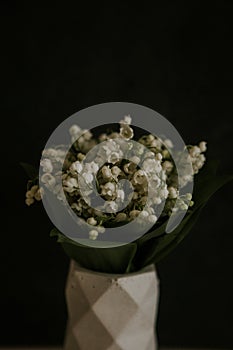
(111, 312)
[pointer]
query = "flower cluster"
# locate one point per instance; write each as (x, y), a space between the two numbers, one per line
(131, 179)
(35, 193)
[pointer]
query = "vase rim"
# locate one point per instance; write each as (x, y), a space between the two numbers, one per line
(147, 269)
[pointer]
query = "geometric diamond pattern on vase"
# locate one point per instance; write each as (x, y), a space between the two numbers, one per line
(110, 311)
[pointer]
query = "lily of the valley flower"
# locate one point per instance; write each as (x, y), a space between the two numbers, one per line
(109, 190)
(46, 165)
(70, 184)
(76, 167)
(91, 221)
(126, 132)
(74, 130)
(88, 177)
(93, 234)
(145, 166)
(139, 177)
(48, 179)
(110, 206)
(127, 120)
(106, 172)
(121, 217)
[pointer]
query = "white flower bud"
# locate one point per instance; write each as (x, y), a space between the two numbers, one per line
(80, 140)
(70, 184)
(29, 201)
(34, 189)
(140, 149)
(155, 181)
(93, 234)
(156, 143)
(135, 195)
(194, 151)
(139, 177)
(121, 217)
(188, 196)
(168, 143)
(202, 146)
(163, 192)
(144, 214)
(150, 210)
(61, 153)
(91, 221)
(88, 177)
(167, 166)
(91, 167)
(157, 200)
(50, 152)
(107, 174)
(29, 194)
(87, 135)
(149, 155)
(48, 179)
(173, 193)
(110, 206)
(166, 154)
(183, 206)
(103, 137)
(100, 229)
(109, 190)
(127, 119)
(158, 156)
(46, 165)
(150, 138)
(39, 194)
(143, 200)
(76, 167)
(113, 157)
(80, 156)
(134, 213)
(120, 195)
(151, 166)
(115, 171)
(152, 219)
(74, 130)
(126, 132)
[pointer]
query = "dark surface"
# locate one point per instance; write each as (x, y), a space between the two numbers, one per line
(175, 58)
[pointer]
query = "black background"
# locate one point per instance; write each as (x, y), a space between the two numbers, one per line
(175, 57)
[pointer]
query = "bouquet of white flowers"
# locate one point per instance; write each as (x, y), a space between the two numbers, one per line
(136, 182)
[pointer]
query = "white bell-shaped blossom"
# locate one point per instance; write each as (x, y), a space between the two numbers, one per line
(93, 234)
(46, 165)
(70, 184)
(126, 132)
(76, 167)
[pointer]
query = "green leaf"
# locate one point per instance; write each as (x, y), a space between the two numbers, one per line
(205, 185)
(157, 248)
(166, 246)
(30, 170)
(156, 245)
(153, 234)
(108, 260)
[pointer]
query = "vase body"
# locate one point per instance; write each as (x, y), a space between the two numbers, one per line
(110, 311)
